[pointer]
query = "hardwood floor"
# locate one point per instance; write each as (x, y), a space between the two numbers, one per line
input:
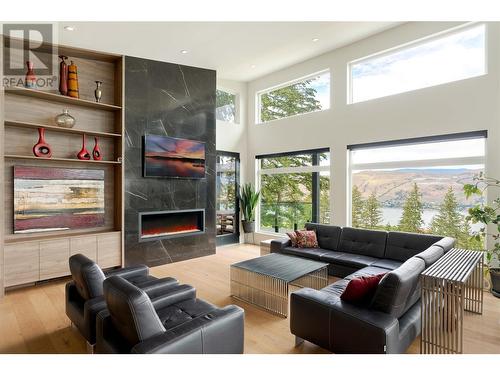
(32, 319)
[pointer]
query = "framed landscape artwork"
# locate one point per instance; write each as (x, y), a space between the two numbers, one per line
(173, 157)
(50, 199)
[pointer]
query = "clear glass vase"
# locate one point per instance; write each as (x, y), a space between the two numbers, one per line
(65, 120)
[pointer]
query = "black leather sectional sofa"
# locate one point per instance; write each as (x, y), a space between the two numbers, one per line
(391, 320)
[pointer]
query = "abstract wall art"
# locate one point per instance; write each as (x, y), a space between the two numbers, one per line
(173, 157)
(50, 199)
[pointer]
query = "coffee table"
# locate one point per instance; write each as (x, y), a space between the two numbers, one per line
(265, 281)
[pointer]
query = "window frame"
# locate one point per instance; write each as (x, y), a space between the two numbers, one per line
(469, 160)
(415, 43)
(237, 106)
(258, 96)
(259, 172)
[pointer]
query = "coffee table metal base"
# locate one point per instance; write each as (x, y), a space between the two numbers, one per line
(269, 292)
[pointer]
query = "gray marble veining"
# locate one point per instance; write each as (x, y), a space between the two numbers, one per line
(179, 101)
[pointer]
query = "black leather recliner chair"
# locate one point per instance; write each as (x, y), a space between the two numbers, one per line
(170, 323)
(84, 294)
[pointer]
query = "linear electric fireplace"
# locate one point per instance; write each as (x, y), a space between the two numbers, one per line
(158, 225)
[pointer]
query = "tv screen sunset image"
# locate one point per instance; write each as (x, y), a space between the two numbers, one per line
(173, 157)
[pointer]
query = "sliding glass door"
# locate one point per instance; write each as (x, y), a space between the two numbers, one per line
(227, 207)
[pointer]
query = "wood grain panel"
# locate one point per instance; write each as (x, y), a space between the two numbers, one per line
(86, 245)
(2, 287)
(20, 141)
(89, 71)
(28, 109)
(22, 263)
(109, 250)
(54, 257)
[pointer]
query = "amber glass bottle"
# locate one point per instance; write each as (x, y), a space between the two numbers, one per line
(73, 81)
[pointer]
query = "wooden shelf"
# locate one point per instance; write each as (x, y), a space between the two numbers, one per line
(62, 159)
(45, 95)
(59, 129)
(55, 235)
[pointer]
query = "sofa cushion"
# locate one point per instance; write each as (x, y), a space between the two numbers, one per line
(361, 289)
(328, 235)
(387, 263)
(446, 244)
(430, 255)
(311, 253)
(354, 260)
(363, 242)
(402, 246)
(337, 288)
(306, 238)
(399, 289)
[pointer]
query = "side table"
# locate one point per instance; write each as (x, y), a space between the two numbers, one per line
(452, 285)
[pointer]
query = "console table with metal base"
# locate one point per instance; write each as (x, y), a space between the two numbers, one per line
(265, 281)
(452, 285)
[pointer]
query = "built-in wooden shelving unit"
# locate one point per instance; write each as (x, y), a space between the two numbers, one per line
(46, 95)
(31, 257)
(54, 128)
(26, 157)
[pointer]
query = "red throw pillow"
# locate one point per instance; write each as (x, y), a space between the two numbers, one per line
(361, 288)
(306, 238)
(293, 238)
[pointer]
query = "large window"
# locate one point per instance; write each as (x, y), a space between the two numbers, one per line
(225, 106)
(451, 57)
(303, 96)
(295, 189)
(417, 186)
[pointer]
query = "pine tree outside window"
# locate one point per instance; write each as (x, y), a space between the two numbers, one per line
(295, 189)
(417, 185)
(305, 95)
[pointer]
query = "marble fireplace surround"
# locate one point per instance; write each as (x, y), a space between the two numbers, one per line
(177, 101)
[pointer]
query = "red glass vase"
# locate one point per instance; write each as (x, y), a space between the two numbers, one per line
(42, 148)
(97, 151)
(30, 78)
(83, 154)
(63, 75)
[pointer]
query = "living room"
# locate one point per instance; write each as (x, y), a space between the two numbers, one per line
(248, 186)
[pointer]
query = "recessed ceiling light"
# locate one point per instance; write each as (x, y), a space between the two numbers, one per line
(184, 51)
(252, 66)
(315, 39)
(69, 28)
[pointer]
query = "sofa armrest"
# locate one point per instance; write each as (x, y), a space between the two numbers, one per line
(278, 245)
(173, 295)
(219, 332)
(342, 327)
(129, 272)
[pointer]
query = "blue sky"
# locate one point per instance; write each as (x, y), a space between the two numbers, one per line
(450, 58)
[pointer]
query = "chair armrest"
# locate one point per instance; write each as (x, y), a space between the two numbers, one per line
(279, 244)
(342, 327)
(219, 332)
(156, 288)
(90, 311)
(129, 272)
(173, 294)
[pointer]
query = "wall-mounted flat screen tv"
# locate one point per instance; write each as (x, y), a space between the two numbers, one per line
(173, 157)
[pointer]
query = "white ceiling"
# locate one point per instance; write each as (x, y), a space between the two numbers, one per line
(240, 51)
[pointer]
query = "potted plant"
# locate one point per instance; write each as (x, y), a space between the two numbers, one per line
(248, 201)
(487, 215)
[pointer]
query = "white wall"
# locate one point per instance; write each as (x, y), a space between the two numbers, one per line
(462, 106)
(232, 137)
